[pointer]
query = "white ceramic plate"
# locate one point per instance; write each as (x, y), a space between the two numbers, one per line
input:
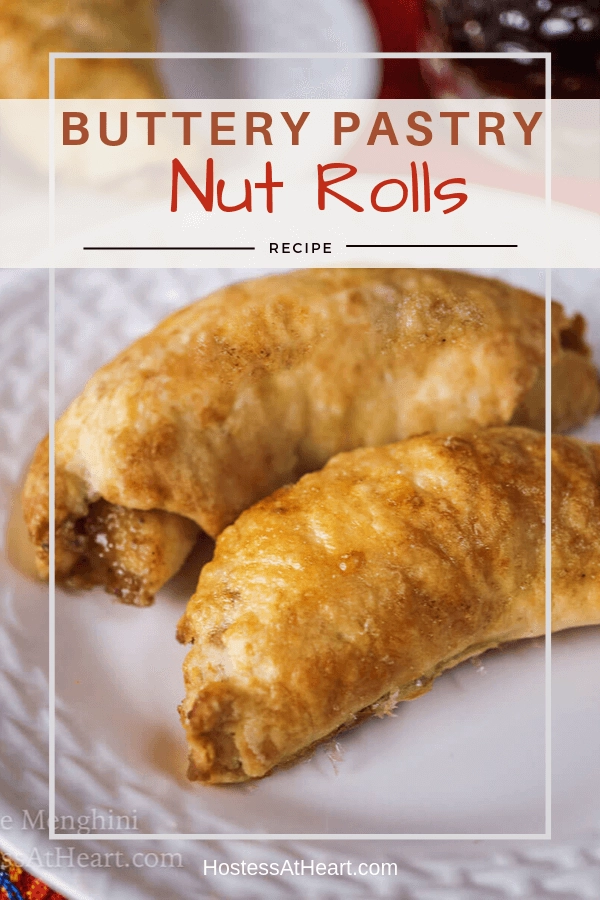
(269, 26)
(467, 758)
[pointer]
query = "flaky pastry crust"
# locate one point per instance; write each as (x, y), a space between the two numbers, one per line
(30, 29)
(247, 390)
(356, 587)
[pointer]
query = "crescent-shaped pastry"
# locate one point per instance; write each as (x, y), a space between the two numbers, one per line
(30, 29)
(353, 589)
(247, 390)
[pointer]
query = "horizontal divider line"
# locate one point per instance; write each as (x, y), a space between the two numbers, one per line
(169, 248)
(349, 246)
(432, 245)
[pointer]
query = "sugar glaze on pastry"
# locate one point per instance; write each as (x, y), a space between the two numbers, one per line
(359, 585)
(263, 381)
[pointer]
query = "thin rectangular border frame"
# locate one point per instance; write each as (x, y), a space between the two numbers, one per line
(547, 834)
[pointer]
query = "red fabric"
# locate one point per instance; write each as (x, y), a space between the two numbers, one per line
(24, 885)
(400, 24)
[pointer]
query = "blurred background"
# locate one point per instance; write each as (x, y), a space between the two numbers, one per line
(569, 29)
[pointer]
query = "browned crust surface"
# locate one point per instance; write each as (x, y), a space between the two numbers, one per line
(246, 390)
(366, 580)
(575, 392)
(130, 552)
(30, 29)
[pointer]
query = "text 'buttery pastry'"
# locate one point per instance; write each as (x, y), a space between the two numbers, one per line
(354, 588)
(31, 29)
(262, 381)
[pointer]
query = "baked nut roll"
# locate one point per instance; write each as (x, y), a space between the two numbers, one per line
(30, 29)
(355, 588)
(573, 375)
(263, 381)
(131, 552)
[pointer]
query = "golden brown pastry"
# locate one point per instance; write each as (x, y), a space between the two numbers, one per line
(30, 29)
(353, 589)
(247, 390)
(573, 375)
(131, 552)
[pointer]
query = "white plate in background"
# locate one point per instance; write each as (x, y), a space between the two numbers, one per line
(269, 26)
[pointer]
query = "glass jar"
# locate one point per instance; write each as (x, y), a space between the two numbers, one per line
(569, 30)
